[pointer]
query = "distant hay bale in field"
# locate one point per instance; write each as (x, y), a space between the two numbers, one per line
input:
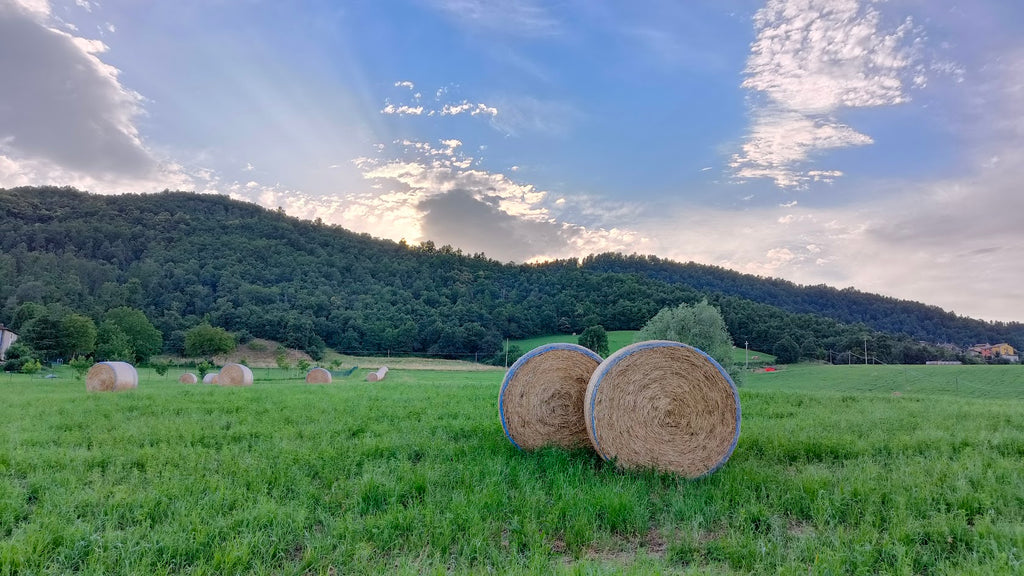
(188, 378)
(663, 405)
(541, 398)
(318, 376)
(378, 375)
(235, 375)
(108, 376)
(211, 378)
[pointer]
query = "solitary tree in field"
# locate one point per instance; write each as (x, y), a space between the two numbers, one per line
(595, 338)
(206, 340)
(786, 351)
(700, 326)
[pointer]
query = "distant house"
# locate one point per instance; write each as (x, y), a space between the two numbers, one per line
(982, 350)
(1002, 349)
(7, 337)
(991, 351)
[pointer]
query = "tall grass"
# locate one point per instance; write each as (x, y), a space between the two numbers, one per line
(833, 474)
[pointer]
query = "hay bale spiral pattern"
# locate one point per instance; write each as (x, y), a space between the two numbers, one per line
(541, 398)
(188, 378)
(663, 405)
(235, 375)
(111, 376)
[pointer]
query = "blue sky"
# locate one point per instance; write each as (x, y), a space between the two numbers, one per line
(874, 144)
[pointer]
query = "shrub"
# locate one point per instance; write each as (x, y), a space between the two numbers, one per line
(31, 367)
(595, 338)
(80, 366)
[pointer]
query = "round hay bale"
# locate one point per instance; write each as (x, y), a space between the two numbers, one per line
(211, 378)
(541, 398)
(108, 376)
(188, 378)
(318, 376)
(235, 375)
(378, 375)
(663, 405)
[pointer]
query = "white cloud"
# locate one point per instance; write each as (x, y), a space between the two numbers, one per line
(84, 4)
(40, 8)
(448, 109)
(402, 110)
(467, 107)
(77, 119)
(433, 193)
(811, 59)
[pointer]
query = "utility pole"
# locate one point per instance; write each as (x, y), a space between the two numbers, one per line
(746, 354)
(506, 353)
(865, 349)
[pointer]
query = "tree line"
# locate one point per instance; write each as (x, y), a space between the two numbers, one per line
(184, 259)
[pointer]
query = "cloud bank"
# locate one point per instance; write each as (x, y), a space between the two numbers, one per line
(66, 118)
(811, 60)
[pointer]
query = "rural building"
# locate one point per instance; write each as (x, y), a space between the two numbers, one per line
(7, 337)
(1003, 349)
(990, 351)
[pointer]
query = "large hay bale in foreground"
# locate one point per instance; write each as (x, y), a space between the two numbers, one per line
(318, 376)
(541, 398)
(663, 405)
(188, 378)
(235, 375)
(108, 376)
(211, 378)
(378, 375)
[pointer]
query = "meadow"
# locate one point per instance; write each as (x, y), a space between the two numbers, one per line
(616, 339)
(621, 338)
(839, 470)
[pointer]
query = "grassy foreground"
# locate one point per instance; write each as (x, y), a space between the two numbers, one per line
(833, 474)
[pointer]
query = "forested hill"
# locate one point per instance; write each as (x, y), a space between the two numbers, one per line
(184, 257)
(848, 305)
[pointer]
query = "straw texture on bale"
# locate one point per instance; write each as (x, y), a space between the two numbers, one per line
(541, 398)
(663, 405)
(378, 375)
(318, 376)
(108, 376)
(188, 378)
(211, 378)
(235, 375)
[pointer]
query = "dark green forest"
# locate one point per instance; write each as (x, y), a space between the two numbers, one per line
(184, 258)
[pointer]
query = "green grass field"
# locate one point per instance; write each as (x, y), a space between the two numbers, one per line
(833, 474)
(621, 338)
(616, 339)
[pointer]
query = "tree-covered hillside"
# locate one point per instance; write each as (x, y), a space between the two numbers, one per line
(847, 305)
(184, 258)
